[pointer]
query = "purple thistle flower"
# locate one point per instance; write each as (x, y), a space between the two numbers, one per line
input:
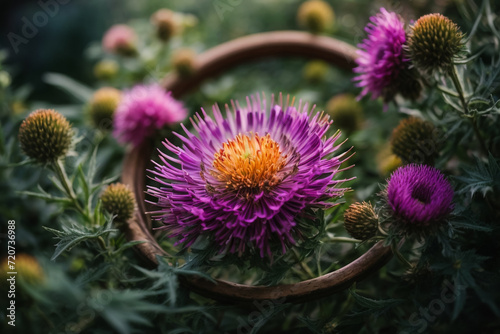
(144, 109)
(419, 195)
(245, 179)
(381, 55)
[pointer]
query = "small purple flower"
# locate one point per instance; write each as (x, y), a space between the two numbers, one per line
(419, 195)
(245, 178)
(381, 56)
(144, 109)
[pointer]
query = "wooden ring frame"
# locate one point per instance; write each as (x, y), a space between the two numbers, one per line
(137, 160)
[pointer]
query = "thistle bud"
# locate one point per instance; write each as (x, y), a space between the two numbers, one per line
(18, 107)
(45, 135)
(102, 107)
(433, 42)
(415, 141)
(346, 112)
(184, 61)
(315, 71)
(361, 221)
(316, 16)
(407, 84)
(166, 24)
(387, 162)
(118, 200)
(105, 69)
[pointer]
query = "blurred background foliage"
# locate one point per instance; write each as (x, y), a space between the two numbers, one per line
(70, 44)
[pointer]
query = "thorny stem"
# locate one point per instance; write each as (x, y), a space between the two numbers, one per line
(458, 86)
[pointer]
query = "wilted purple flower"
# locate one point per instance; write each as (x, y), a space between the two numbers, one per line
(245, 179)
(144, 109)
(419, 195)
(381, 57)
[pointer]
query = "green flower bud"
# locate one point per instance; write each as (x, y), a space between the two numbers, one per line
(346, 112)
(361, 221)
(315, 71)
(316, 16)
(387, 162)
(45, 135)
(407, 84)
(118, 200)
(166, 24)
(102, 107)
(106, 69)
(433, 42)
(415, 141)
(184, 61)
(4, 79)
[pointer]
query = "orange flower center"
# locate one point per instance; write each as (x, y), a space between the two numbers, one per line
(250, 163)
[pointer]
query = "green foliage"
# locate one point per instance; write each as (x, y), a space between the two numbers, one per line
(72, 234)
(481, 178)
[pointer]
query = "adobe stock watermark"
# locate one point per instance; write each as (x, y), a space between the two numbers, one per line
(264, 309)
(420, 320)
(31, 27)
(223, 6)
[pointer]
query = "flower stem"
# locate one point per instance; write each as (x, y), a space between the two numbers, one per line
(381, 230)
(63, 178)
(102, 243)
(400, 256)
(303, 265)
(343, 239)
(458, 86)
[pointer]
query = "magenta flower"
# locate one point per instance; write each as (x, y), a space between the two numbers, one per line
(120, 38)
(144, 109)
(381, 57)
(419, 195)
(245, 179)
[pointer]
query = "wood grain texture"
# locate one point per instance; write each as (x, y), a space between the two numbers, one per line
(210, 64)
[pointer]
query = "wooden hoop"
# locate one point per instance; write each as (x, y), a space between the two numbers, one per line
(137, 160)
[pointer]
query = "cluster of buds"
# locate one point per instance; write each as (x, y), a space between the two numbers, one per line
(392, 61)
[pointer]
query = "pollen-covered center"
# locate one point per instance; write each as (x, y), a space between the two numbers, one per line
(249, 163)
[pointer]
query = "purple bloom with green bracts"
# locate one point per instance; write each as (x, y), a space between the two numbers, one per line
(419, 195)
(381, 55)
(245, 178)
